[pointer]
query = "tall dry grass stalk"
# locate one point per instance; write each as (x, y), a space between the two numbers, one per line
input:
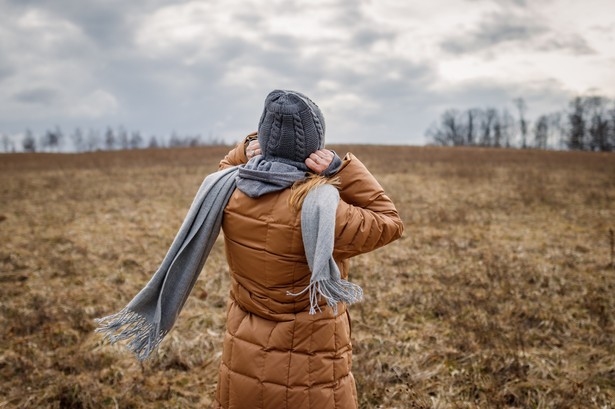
(612, 243)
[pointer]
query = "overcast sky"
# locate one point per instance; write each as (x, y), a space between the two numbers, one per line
(382, 71)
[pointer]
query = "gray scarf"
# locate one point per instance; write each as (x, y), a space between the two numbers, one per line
(151, 314)
(260, 176)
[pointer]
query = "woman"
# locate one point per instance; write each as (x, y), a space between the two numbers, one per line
(276, 354)
(288, 238)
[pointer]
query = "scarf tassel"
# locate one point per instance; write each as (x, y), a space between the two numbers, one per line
(143, 335)
(333, 291)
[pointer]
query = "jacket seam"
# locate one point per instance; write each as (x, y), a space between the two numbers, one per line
(334, 363)
(265, 349)
(309, 382)
(290, 357)
(325, 384)
(228, 372)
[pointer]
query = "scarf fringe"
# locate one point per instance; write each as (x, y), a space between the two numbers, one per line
(333, 291)
(143, 335)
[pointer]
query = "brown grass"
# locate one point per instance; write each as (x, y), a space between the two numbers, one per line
(500, 293)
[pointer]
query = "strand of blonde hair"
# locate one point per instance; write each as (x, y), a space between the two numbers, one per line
(301, 188)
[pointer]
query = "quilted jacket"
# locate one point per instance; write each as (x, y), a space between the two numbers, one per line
(275, 354)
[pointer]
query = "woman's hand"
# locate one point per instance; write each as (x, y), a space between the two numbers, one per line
(319, 160)
(253, 149)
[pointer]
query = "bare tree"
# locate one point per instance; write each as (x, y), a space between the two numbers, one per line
(611, 139)
(42, 142)
(490, 127)
(175, 140)
(471, 126)
(109, 139)
(507, 124)
(497, 132)
(52, 139)
(93, 140)
(598, 124)
(122, 137)
(450, 130)
(521, 108)
(7, 143)
(77, 138)
(135, 140)
(577, 122)
(28, 142)
(589, 123)
(213, 140)
(59, 138)
(194, 140)
(541, 132)
(556, 130)
(153, 142)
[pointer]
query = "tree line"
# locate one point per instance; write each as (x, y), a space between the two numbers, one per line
(587, 124)
(56, 140)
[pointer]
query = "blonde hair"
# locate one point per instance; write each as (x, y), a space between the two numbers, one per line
(301, 188)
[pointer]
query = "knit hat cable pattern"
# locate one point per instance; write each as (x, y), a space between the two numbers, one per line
(291, 128)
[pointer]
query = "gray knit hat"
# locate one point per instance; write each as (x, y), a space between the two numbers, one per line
(291, 128)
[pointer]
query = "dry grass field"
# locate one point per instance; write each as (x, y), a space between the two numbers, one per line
(500, 293)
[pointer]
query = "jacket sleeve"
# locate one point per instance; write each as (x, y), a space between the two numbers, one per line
(366, 218)
(237, 155)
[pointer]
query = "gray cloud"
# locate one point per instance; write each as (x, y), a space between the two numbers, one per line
(574, 44)
(6, 70)
(518, 29)
(494, 30)
(541, 96)
(366, 37)
(504, 3)
(519, 3)
(109, 24)
(43, 96)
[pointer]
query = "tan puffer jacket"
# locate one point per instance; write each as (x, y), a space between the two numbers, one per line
(276, 355)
